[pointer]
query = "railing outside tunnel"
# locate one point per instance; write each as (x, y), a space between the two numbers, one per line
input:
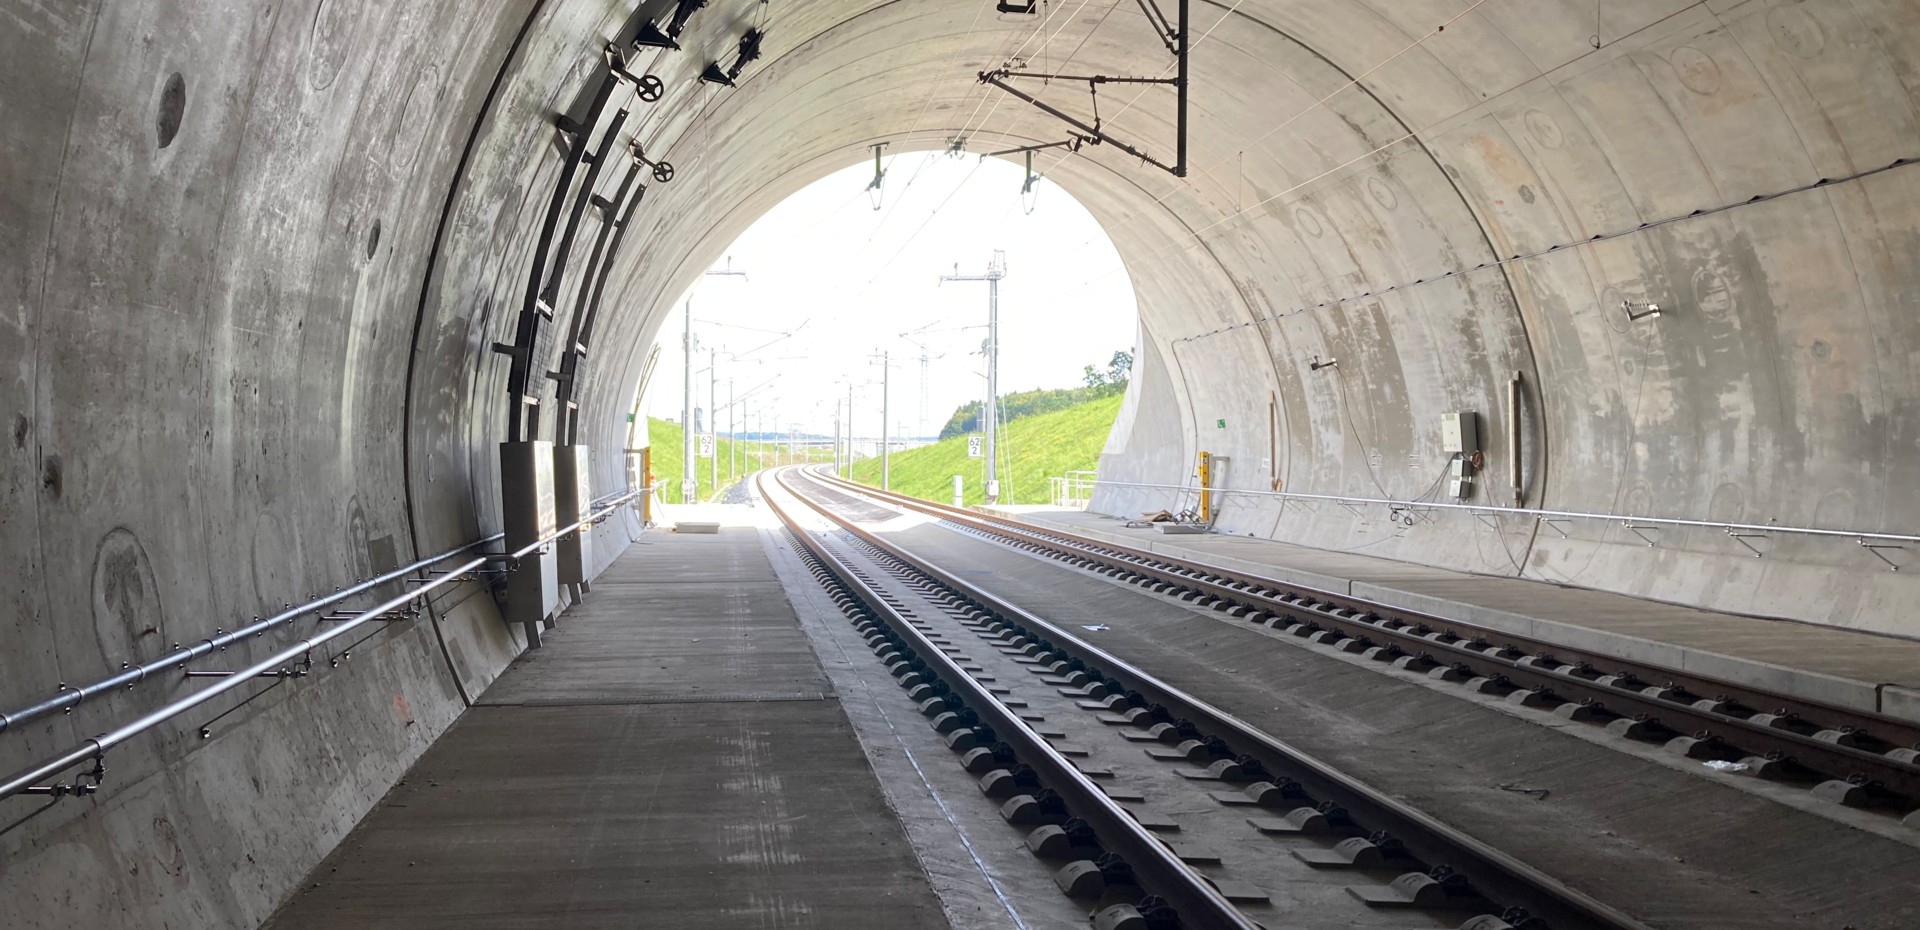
(430, 574)
(1073, 489)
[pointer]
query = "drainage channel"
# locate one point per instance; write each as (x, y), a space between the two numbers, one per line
(1843, 756)
(1279, 834)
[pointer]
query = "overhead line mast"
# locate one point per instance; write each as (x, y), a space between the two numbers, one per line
(689, 483)
(996, 269)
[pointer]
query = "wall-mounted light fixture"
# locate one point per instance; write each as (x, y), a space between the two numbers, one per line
(1637, 312)
(1317, 364)
(1028, 7)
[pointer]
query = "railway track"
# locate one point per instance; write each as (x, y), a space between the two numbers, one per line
(1841, 755)
(1088, 754)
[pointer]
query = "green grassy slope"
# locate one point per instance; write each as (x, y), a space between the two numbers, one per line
(1042, 445)
(664, 437)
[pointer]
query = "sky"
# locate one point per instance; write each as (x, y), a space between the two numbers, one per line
(846, 281)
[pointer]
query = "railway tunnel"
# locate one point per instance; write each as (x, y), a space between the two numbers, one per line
(282, 278)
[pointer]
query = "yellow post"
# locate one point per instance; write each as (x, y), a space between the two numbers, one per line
(646, 493)
(1206, 491)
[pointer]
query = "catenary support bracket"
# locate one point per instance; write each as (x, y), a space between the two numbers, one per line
(1174, 35)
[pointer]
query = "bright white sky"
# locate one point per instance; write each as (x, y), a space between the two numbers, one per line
(857, 278)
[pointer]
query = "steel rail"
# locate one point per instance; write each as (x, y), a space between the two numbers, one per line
(1667, 702)
(1159, 869)
(1891, 730)
(95, 748)
(1530, 512)
(1491, 872)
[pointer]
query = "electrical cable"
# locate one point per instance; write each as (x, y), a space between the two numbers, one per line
(1192, 237)
(1005, 430)
(985, 95)
(1346, 411)
(919, 229)
(1207, 172)
(934, 91)
(1169, 69)
(999, 98)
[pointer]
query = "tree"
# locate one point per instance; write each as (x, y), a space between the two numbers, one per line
(1094, 377)
(1119, 368)
(965, 419)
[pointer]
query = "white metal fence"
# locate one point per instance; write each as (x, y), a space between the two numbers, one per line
(1074, 489)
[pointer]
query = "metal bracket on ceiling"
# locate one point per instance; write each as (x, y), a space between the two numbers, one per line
(652, 36)
(646, 86)
(1071, 144)
(1174, 35)
(749, 50)
(879, 176)
(662, 170)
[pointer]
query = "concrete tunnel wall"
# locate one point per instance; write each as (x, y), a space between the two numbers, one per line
(248, 314)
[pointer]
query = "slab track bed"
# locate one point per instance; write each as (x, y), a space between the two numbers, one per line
(1846, 756)
(1157, 808)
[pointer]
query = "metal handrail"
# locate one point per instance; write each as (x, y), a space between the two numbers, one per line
(135, 672)
(1533, 512)
(96, 748)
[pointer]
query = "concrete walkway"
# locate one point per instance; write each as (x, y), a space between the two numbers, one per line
(675, 757)
(1864, 671)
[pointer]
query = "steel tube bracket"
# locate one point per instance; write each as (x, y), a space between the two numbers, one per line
(1875, 549)
(77, 787)
(1742, 538)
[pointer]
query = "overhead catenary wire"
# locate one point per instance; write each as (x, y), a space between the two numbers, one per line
(1005, 445)
(1064, 155)
(988, 94)
(1207, 171)
(931, 215)
(1190, 238)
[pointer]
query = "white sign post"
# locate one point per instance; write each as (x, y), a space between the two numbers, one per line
(706, 444)
(973, 447)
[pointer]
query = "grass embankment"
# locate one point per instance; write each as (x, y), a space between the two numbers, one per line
(664, 438)
(1031, 450)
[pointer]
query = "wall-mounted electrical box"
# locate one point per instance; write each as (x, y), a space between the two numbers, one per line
(527, 505)
(573, 498)
(1457, 432)
(1460, 479)
(1459, 438)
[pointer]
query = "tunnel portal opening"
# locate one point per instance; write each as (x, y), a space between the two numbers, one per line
(856, 314)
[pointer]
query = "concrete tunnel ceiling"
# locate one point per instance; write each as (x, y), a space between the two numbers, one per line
(242, 254)
(1439, 196)
(254, 259)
